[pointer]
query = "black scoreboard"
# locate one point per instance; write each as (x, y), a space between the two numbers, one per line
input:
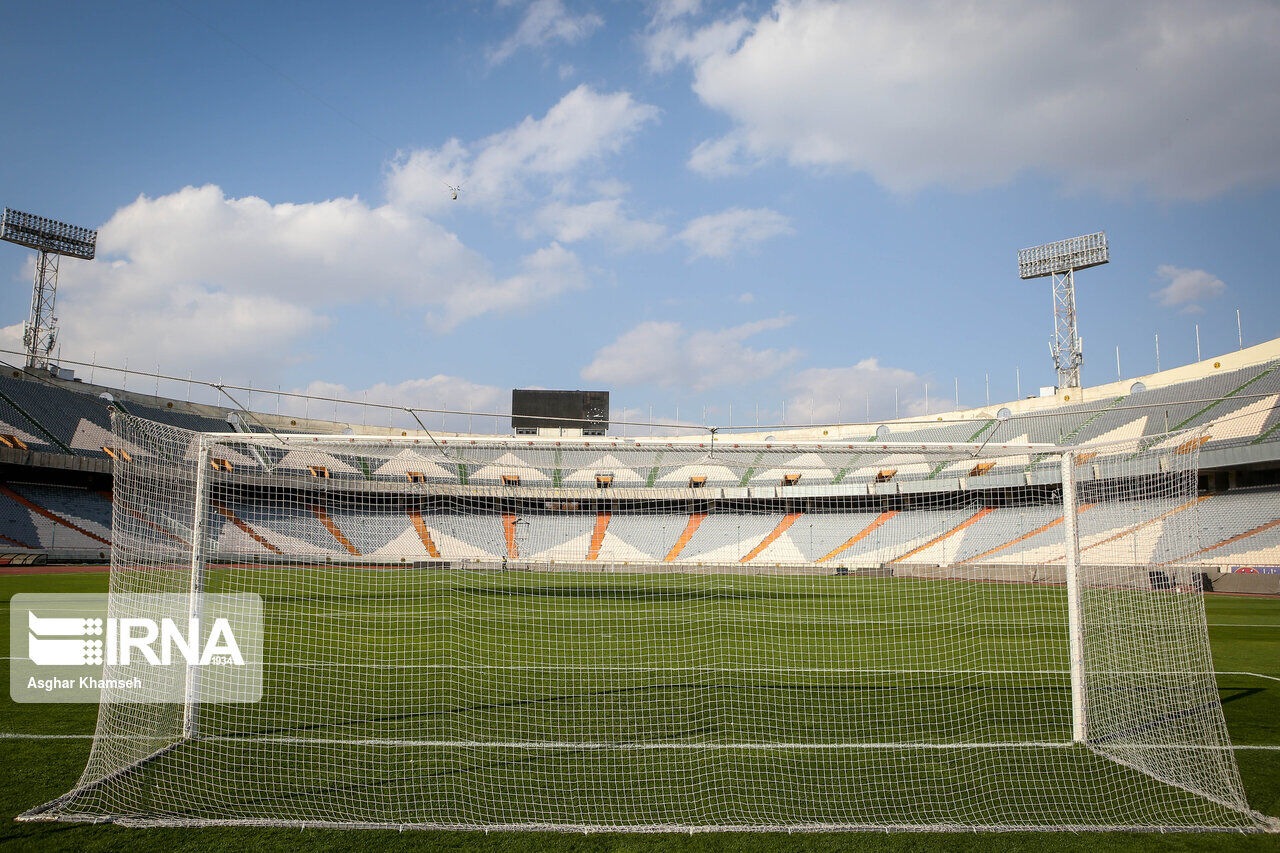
(532, 410)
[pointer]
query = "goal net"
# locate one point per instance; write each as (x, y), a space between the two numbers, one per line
(646, 634)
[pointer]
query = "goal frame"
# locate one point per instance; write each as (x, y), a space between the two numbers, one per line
(1070, 509)
(200, 555)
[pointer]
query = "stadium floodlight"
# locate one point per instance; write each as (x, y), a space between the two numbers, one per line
(48, 235)
(51, 239)
(1060, 260)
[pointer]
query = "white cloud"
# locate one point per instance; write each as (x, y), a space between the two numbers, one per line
(553, 155)
(666, 11)
(215, 284)
(609, 187)
(547, 272)
(544, 21)
(1186, 287)
(846, 393)
(726, 155)
(665, 353)
(220, 284)
(604, 219)
(719, 235)
(580, 129)
(669, 41)
(1176, 97)
(746, 298)
(436, 392)
(664, 421)
(11, 337)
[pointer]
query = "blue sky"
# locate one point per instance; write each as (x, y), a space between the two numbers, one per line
(685, 203)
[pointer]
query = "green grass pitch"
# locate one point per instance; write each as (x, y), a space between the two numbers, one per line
(585, 665)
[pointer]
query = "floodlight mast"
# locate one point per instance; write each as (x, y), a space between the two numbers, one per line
(1060, 261)
(51, 240)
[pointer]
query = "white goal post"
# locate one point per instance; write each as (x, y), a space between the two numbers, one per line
(200, 510)
(661, 634)
(1075, 614)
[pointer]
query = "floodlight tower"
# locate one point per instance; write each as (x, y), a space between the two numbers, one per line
(51, 240)
(1060, 260)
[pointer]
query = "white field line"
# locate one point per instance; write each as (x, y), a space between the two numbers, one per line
(726, 669)
(525, 667)
(408, 615)
(688, 618)
(652, 746)
(415, 615)
(1254, 674)
(574, 667)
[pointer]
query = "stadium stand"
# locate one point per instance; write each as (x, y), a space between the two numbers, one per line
(370, 532)
(19, 527)
(87, 510)
(686, 500)
(53, 519)
(1239, 529)
(727, 538)
(653, 533)
(848, 530)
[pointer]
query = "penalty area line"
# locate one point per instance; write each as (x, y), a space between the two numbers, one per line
(1254, 674)
(595, 745)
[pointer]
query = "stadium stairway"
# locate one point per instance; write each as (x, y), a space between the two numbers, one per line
(1267, 433)
(695, 520)
(75, 423)
(860, 535)
(724, 538)
(469, 535)
(1019, 539)
(819, 532)
(369, 531)
(937, 469)
(1243, 524)
(424, 533)
(51, 515)
(1074, 434)
(509, 532)
(333, 529)
(1262, 528)
(81, 507)
(19, 529)
(227, 513)
(544, 538)
(634, 537)
(1134, 528)
(942, 537)
(133, 513)
(597, 535)
(782, 527)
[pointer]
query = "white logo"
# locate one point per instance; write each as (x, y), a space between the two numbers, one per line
(63, 651)
(61, 641)
(162, 648)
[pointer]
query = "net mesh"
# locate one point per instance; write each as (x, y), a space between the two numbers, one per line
(648, 635)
